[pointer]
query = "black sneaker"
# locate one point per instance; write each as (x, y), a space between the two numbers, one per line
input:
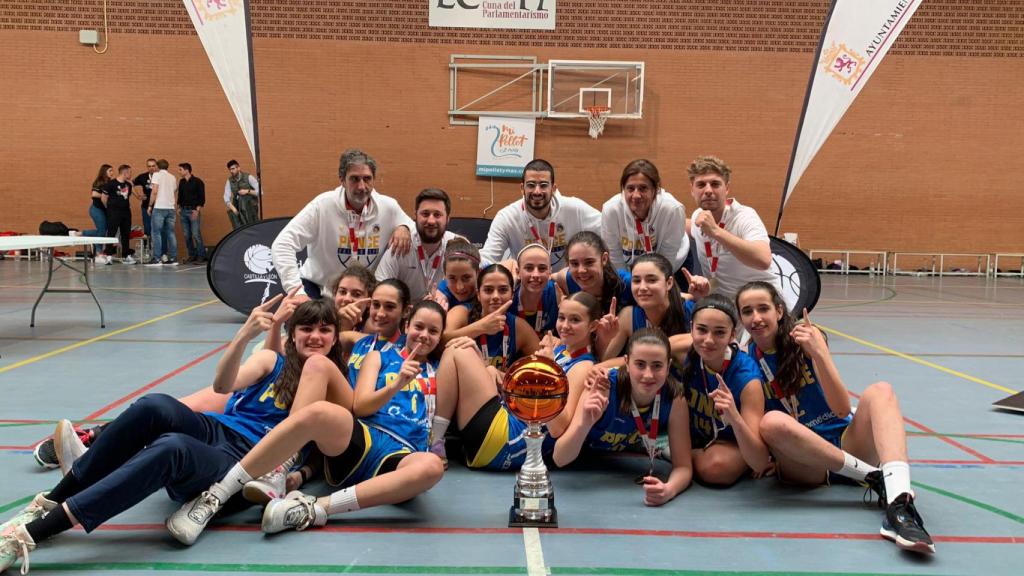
(874, 482)
(46, 455)
(904, 526)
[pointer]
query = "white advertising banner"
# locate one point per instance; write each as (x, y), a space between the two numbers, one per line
(504, 146)
(857, 35)
(525, 14)
(222, 30)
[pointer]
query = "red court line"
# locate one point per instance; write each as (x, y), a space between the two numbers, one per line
(154, 383)
(720, 534)
(945, 439)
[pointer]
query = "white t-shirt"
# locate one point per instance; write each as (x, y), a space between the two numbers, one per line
(665, 226)
(164, 185)
(419, 276)
(325, 228)
(731, 274)
(514, 227)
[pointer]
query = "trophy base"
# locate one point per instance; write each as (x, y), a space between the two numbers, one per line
(518, 521)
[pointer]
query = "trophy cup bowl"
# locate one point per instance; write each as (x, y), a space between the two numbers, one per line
(535, 390)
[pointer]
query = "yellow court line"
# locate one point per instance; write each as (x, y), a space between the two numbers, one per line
(917, 360)
(103, 337)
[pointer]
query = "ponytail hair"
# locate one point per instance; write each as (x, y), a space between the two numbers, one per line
(594, 313)
(611, 284)
(674, 321)
(709, 302)
(477, 310)
(432, 306)
(791, 358)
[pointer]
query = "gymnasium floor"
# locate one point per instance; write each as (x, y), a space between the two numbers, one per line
(950, 346)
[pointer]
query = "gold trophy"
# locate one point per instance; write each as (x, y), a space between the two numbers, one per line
(535, 390)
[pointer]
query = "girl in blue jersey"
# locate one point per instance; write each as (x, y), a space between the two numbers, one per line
(501, 335)
(158, 442)
(389, 305)
(723, 391)
(352, 295)
(658, 304)
(623, 409)
(491, 436)
(590, 270)
(461, 267)
(376, 452)
(535, 298)
(808, 426)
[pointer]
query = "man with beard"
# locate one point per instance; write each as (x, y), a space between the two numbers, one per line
(348, 225)
(543, 216)
(644, 218)
(420, 268)
(732, 242)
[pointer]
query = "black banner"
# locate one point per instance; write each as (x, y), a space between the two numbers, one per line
(800, 282)
(241, 272)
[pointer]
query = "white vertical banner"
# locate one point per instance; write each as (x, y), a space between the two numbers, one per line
(504, 146)
(221, 25)
(857, 35)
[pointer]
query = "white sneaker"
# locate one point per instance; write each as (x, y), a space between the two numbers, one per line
(68, 445)
(189, 521)
(267, 487)
(296, 511)
(100, 260)
(128, 260)
(108, 260)
(36, 509)
(14, 542)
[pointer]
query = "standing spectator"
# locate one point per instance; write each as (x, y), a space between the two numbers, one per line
(142, 181)
(191, 198)
(98, 209)
(241, 196)
(119, 213)
(165, 244)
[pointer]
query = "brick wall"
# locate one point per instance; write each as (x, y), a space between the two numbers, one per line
(926, 159)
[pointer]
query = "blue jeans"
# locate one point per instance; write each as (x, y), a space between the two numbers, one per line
(191, 229)
(99, 220)
(146, 228)
(163, 231)
(158, 442)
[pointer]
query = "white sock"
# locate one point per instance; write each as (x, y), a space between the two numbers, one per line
(854, 467)
(438, 428)
(231, 484)
(897, 479)
(343, 501)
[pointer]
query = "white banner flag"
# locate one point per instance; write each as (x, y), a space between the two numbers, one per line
(222, 29)
(858, 34)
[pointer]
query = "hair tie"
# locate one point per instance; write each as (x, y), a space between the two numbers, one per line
(465, 255)
(532, 245)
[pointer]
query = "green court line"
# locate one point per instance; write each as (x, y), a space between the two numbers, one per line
(16, 503)
(380, 569)
(971, 501)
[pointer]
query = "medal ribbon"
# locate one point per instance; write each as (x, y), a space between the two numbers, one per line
(536, 235)
(707, 391)
(504, 347)
(353, 239)
(428, 384)
(435, 264)
(773, 384)
(641, 231)
(711, 253)
(648, 437)
(538, 319)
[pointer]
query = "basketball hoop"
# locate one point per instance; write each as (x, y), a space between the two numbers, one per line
(598, 116)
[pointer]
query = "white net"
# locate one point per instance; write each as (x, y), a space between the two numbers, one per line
(598, 116)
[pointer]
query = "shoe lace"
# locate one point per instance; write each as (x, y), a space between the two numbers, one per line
(874, 490)
(206, 506)
(308, 503)
(21, 548)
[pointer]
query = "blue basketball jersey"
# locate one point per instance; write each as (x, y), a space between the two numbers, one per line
(254, 410)
(566, 361)
(625, 295)
(364, 346)
(500, 351)
(404, 416)
(704, 419)
(616, 430)
(548, 310)
(640, 317)
(808, 405)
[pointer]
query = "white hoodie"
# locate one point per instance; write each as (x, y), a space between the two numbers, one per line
(665, 225)
(511, 229)
(324, 227)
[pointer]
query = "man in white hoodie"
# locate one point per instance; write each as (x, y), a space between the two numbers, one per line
(352, 224)
(543, 216)
(644, 218)
(732, 242)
